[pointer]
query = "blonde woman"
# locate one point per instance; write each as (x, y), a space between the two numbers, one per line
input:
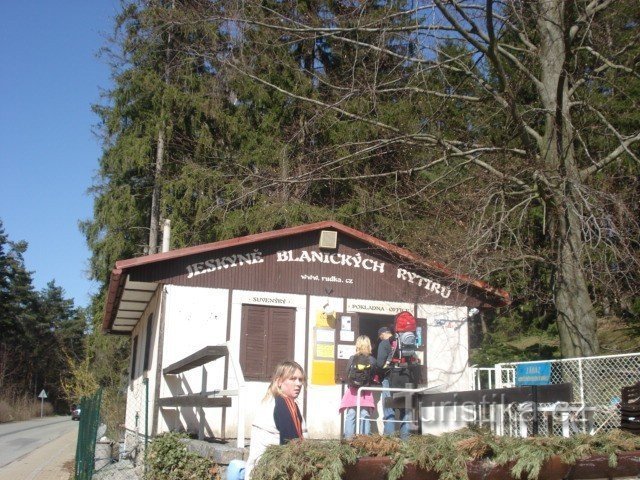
(278, 419)
(360, 371)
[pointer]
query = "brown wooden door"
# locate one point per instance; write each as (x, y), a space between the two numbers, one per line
(282, 332)
(267, 338)
(347, 330)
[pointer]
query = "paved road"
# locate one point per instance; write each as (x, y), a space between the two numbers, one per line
(20, 438)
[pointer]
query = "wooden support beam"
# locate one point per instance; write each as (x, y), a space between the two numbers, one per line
(206, 355)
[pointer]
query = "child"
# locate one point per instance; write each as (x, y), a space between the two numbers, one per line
(348, 403)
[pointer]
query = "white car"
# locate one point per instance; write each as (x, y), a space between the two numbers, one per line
(75, 414)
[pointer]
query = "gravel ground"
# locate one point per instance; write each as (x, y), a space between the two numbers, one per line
(126, 470)
(122, 470)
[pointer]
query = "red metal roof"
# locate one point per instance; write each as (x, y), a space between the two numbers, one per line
(119, 274)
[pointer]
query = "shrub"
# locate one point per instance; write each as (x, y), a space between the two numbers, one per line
(169, 459)
(48, 409)
(5, 411)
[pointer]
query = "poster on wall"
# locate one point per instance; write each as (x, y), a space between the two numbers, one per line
(346, 351)
(324, 351)
(325, 347)
(345, 323)
(324, 335)
(347, 335)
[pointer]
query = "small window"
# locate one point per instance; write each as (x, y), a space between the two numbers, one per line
(267, 338)
(147, 343)
(134, 354)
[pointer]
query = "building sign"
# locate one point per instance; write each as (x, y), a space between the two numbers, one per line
(220, 263)
(268, 300)
(538, 373)
(374, 306)
(426, 283)
(356, 261)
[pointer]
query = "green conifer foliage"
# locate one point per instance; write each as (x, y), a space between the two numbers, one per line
(37, 331)
(446, 455)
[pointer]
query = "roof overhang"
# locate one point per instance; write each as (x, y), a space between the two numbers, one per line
(129, 303)
(127, 300)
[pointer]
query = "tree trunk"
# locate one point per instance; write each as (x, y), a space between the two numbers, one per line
(577, 322)
(576, 318)
(154, 222)
(284, 175)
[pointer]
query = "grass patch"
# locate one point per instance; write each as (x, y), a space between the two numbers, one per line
(15, 407)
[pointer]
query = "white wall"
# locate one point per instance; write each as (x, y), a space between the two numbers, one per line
(197, 317)
(447, 363)
(447, 346)
(323, 401)
(136, 391)
(194, 318)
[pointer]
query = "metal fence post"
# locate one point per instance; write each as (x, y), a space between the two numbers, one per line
(498, 409)
(146, 421)
(581, 380)
(79, 442)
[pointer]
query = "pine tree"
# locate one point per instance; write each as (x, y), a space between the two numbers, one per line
(37, 329)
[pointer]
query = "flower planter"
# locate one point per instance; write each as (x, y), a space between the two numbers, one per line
(377, 468)
(552, 469)
(368, 468)
(598, 467)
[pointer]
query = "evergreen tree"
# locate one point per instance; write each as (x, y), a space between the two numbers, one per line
(18, 302)
(38, 330)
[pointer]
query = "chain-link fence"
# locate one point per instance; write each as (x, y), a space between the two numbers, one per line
(596, 383)
(114, 448)
(134, 434)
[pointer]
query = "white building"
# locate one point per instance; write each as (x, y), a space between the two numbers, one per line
(303, 293)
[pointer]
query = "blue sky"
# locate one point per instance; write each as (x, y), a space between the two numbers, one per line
(49, 78)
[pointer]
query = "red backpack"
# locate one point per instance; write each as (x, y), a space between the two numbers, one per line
(406, 340)
(404, 352)
(405, 322)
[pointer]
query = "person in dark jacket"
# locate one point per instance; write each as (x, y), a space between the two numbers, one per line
(386, 348)
(382, 362)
